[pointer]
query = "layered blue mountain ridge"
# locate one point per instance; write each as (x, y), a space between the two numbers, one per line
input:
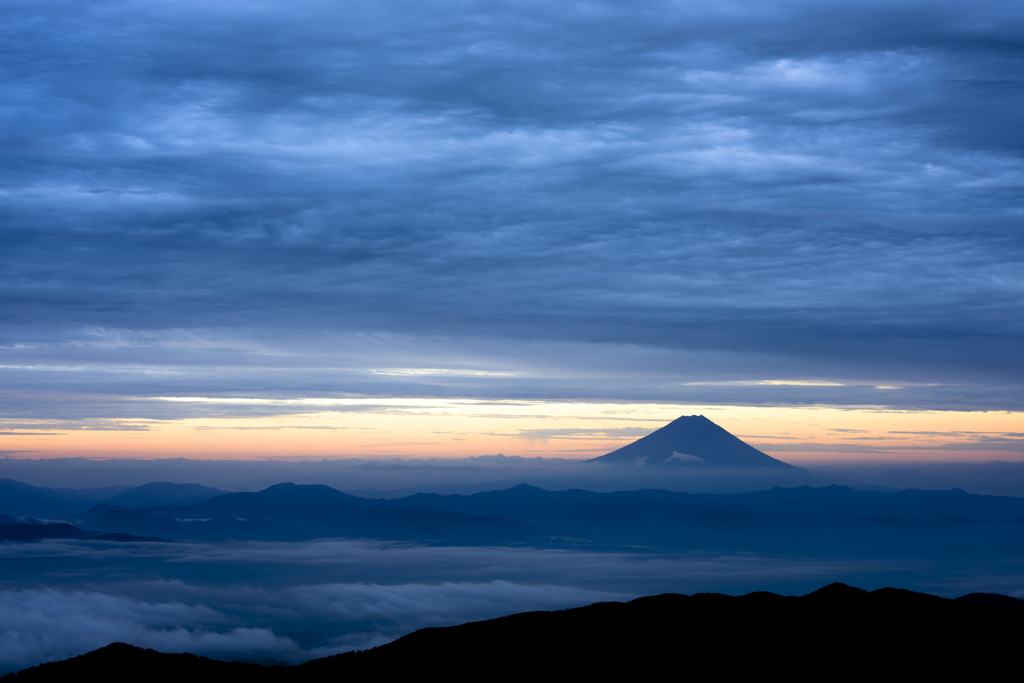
(835, 519)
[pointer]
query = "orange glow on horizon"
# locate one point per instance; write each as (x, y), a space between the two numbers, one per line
(442, 428)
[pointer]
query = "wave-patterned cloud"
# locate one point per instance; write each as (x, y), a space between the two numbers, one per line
(512, 199)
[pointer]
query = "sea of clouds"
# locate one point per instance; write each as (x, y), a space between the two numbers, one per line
(289, 602)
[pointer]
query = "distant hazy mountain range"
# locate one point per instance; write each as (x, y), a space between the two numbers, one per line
(20, 499)
(691, 441)
(837, 633)
(827, 519)
(163, 493)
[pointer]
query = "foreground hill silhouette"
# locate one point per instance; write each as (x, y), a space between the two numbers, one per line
(692, 441)
(834, 632)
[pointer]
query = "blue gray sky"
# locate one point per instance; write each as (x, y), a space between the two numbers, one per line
(619, 201)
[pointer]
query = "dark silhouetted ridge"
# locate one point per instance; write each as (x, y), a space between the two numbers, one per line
(123, 662)
(1004, 603)
(836, 632)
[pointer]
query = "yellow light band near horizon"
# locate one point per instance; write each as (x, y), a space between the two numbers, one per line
(440, 428)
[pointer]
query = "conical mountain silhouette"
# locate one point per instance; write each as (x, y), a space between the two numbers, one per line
(691, 440)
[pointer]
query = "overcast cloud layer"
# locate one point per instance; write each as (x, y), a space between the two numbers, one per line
(601, 199)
